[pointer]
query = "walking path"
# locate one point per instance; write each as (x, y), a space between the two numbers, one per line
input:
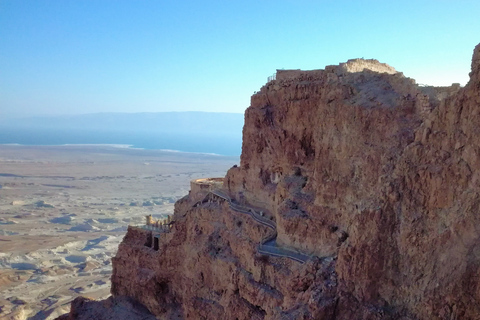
(269, 245)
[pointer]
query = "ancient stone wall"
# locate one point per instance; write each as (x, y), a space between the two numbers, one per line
(359, 65)
(200, 187)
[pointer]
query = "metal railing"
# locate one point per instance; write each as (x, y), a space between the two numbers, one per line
(272, 77)
(243, 209)
(161, 228)
(268, 245)
(271, 248)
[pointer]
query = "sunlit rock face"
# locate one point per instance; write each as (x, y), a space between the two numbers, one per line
(375, 178)
(359, 65)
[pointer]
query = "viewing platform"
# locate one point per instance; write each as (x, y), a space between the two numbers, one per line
(199, 188)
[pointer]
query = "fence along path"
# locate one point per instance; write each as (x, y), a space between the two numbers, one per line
(239, 208)
(269, 245)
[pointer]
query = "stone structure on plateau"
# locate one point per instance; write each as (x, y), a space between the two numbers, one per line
(372, 180)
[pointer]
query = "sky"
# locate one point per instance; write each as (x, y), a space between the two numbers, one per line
(85, 56)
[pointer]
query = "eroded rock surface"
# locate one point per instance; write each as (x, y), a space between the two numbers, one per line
(113, 308)
(375, 178)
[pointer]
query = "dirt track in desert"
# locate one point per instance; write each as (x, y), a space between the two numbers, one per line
(65, 209)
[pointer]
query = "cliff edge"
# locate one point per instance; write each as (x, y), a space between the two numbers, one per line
(357, 197)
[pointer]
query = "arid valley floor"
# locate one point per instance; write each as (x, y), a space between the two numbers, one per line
(65, 209)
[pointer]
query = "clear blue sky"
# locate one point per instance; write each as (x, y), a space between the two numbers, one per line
(66, 57)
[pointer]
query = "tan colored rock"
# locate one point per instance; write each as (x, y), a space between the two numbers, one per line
(380, 174)
(359, 65)
(373, 176)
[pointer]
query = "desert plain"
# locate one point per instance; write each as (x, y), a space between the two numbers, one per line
(65, 209)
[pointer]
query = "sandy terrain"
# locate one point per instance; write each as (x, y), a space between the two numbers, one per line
(64, 210)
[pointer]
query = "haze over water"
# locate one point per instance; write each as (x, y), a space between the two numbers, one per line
(200, 132)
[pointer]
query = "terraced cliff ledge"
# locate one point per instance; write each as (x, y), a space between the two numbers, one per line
(357, 197)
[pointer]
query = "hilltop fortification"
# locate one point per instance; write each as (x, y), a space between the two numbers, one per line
(357, 197)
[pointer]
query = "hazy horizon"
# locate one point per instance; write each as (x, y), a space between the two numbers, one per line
(70, 57)
(200, 132)
(58, 115)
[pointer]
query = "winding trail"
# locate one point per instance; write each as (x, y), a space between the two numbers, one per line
(269, 246)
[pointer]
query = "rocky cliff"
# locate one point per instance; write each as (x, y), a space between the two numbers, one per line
(357, 197)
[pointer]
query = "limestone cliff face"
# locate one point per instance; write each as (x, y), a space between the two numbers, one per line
(373, 177)
(208, 267)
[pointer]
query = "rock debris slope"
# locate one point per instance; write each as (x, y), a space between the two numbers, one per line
(374, 178)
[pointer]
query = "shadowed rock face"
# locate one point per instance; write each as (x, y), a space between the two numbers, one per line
(113, 308)
(374, 177)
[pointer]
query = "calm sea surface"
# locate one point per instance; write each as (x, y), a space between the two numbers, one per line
(225, 144)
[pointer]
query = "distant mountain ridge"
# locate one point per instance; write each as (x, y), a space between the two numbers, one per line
(159, 121)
